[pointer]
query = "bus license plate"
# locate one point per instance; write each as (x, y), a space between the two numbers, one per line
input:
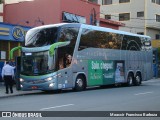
(34, 87)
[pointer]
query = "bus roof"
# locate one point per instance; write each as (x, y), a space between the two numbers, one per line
(112, 30)
(92, 28)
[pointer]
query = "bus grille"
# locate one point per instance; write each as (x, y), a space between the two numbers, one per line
(36, 81)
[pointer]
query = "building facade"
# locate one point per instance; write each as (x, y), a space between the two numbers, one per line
(30, 13)
(55, 11)
(139, 16)
(1, 12)
(10, 36)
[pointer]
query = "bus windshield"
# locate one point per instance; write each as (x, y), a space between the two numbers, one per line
(41, 37)
(38, 63)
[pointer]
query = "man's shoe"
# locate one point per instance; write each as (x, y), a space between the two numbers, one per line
(6, 92)
(11, 92)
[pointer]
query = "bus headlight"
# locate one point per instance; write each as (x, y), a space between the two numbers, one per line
(21, 86)
(48, 79)
(21, 80)
(51, 85)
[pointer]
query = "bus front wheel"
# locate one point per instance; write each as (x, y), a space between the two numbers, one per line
(80, 83)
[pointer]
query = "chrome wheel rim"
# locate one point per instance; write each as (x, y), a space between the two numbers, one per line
(137, 79)
(79, 82)
(130, 80)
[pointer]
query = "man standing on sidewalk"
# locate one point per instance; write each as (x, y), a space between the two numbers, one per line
(7, 76)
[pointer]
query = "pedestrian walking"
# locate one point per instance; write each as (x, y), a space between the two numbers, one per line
(7, 76)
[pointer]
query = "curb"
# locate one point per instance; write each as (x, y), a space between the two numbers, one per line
(21, 94)
(15, 92)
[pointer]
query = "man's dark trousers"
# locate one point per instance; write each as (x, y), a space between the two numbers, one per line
(8, 83)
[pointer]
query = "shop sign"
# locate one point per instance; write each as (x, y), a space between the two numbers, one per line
(18, 33)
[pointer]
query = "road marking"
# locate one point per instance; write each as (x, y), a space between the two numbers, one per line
(57, 106)
(143, 93)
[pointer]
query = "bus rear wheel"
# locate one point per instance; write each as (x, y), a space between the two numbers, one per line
(80, 83)
(130, 79)
(138, 79)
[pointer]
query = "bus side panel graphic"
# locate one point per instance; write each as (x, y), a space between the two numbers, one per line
(105, 72)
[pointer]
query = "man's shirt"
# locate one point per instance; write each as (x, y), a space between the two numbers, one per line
(7, 70)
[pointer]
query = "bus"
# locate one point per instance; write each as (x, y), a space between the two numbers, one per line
(98, 56)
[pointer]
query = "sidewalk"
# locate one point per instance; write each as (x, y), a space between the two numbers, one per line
(15, 92)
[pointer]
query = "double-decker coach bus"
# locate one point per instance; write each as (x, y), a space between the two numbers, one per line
(98, 56)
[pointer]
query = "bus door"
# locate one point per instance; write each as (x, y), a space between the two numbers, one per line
(17, 72)
(64, 68)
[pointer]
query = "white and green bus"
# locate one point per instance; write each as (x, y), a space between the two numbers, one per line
(100, 56)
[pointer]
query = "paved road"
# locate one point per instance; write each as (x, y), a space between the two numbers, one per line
(136, 98)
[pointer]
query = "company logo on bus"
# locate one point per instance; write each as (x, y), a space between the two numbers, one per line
(18, 33)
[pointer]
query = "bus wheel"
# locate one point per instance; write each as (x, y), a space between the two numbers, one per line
(130, 79)
(80, 83)
(137, 79)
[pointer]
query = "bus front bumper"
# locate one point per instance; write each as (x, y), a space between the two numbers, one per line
(42, 86)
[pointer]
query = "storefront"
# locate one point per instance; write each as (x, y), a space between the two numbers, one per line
(10, 37)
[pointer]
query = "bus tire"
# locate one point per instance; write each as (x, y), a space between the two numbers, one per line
(130, 79)
(80, 83)
(138, 79)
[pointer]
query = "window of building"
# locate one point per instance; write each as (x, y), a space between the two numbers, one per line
(106, 2)
(68, 17)
(158, 2)
(94, 1)
(157, 18)
(140, 33)
(107, 16)
(157, 36)
(153, 1)
(140, 14)
(124, 16)
(124, 1)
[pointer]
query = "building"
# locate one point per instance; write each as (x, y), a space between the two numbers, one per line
(11, 35)
(1, 11)
(30, 13)
(139, 16)
(55, 11)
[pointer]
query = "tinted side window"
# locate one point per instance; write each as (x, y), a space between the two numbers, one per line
(69, 34)
(66, 34)
(99, 39)
(131, 43)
